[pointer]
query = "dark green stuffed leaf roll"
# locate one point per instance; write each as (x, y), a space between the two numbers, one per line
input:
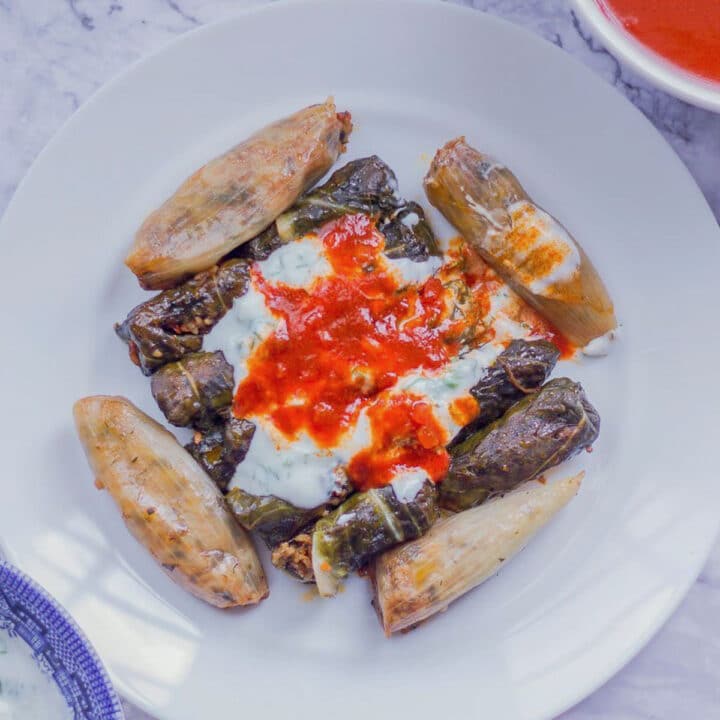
(519, 370)
(192, 391)
(536, 434)
(366, 524)
(408, 233)
(364, 186)
(261, 246)
(277, 520)
(171, 324)
(221, 448)
(272, 518)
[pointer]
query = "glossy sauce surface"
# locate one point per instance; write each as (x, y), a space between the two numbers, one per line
(407, 416)
(686, 32)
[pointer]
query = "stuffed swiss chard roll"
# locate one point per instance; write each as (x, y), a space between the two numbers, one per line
(536, 434)
(366, 524)
(366, 186)
(237, 195)
(194, 390)
(272, 518)
(172, 324)
(518, 371)
(220, 448)
(525, 245)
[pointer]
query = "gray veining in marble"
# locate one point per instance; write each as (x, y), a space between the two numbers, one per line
(54, 54)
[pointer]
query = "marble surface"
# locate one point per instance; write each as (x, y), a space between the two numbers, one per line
(55, 53)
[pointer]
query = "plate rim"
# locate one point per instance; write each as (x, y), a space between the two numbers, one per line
(599, 85)
(39, 600)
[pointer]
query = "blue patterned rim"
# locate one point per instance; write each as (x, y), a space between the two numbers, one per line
(59, 646)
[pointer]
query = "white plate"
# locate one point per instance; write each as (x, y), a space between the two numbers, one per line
(592, 588)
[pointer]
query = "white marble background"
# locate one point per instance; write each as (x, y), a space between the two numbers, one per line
(55, 53)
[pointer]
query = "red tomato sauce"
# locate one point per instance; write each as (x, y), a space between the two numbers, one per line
(686, 32)
(406, 416)
(353, 334)
(540, 327)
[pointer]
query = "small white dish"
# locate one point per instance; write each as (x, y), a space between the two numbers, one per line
(654, 67)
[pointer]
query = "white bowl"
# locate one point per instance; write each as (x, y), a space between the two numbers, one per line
(655, 68)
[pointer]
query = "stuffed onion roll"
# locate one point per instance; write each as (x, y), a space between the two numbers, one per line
(237, 195)
(526, 246)
(168, 503)
(420, 578)
(536, 434)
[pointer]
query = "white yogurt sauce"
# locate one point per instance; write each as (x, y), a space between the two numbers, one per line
(297, 263)
(297, 471)
(600, 346)
(407, 485)
(241, 330)
(504, 307)
(300, 473)
(413, 271)
(249, 321)
(26, 693)
(451, 383)
(410, 220)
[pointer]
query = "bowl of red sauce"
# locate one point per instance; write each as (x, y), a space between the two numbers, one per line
(673, 43)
